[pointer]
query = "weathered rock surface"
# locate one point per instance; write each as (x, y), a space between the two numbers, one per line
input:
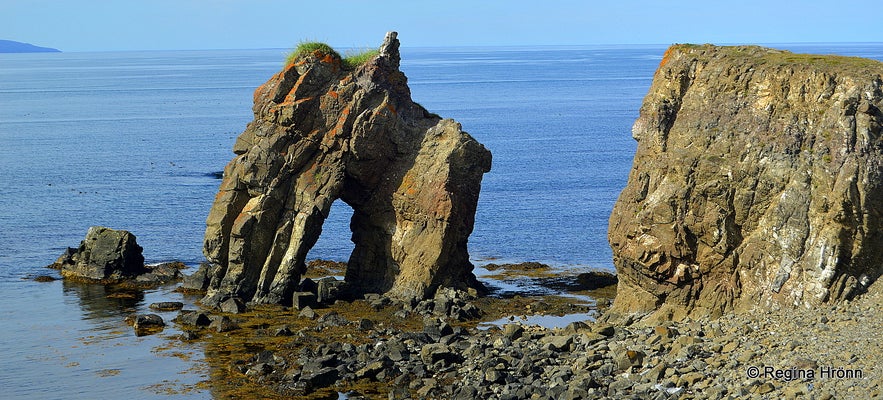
(104, 255)
(756, 183)
(322, 132)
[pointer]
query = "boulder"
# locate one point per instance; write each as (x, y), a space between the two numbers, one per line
(193, 318)
(104, 255)
(595, 280)
(199, 280)
(147, 324)
(757, 183)
(325, 130)
(161, 274)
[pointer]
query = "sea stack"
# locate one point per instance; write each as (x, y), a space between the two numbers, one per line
(323, 130)
(105, 255)
(757, 183)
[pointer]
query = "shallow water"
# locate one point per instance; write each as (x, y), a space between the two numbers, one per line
(71, 341)
(131, 140)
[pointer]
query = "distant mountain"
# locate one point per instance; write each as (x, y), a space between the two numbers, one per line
(9, 46)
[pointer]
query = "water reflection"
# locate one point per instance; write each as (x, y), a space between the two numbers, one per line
(76, 333)
(101, 301)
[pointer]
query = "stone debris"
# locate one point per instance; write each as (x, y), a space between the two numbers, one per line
(587, 360)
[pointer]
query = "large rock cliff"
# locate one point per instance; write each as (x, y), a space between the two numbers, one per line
(756, 183)
(325, 130)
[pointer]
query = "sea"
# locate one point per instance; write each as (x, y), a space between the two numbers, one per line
(136, 140)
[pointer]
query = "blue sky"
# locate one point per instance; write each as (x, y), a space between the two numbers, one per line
(102, 25)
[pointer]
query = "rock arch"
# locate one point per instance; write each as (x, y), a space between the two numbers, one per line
(324, 131)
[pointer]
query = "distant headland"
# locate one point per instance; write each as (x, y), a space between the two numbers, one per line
(11, 46)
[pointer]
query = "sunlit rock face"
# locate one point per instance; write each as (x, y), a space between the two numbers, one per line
(756, 183)
(324, 131)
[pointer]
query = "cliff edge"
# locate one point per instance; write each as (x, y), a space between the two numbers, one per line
(323, 130)
(756, 183)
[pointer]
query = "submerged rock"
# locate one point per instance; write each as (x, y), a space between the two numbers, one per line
(324, 131)
(757, 182)
(167, 305)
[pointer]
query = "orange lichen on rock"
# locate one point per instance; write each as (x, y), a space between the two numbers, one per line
(667, 55)
(408, 184)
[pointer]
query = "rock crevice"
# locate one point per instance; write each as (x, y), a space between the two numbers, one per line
(756, 183)
(323, 131)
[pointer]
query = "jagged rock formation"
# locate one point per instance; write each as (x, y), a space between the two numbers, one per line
(756, 183)
(104, 255)
(324, 131)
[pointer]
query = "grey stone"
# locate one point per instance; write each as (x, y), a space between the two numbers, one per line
(322, 378)
(434, 352)
(147, 324)
(232, 306)
(494, 376)
(513, 331)
(193, 318)
(302, 300)
(308, 313)
(223, 324)
(558, 343)
(328, 290)
(283, 331)
(372, 370)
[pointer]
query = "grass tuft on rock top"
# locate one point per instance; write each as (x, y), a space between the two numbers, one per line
(304, 48)
(353, 59)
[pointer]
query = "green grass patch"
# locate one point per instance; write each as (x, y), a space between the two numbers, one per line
(774, 57)
(304, 48)
(352, 59)
(355, 58)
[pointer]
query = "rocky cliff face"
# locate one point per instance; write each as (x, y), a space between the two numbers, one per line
(324, 131)
(756, 183)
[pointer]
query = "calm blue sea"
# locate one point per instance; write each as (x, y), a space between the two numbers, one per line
(131, 140)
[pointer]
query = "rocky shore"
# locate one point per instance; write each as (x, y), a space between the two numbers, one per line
(377, 347)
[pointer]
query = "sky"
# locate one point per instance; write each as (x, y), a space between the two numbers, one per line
(111, 25)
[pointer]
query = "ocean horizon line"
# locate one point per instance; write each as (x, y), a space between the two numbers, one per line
(478, 47)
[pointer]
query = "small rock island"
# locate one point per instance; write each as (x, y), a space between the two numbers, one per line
(324, 130)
